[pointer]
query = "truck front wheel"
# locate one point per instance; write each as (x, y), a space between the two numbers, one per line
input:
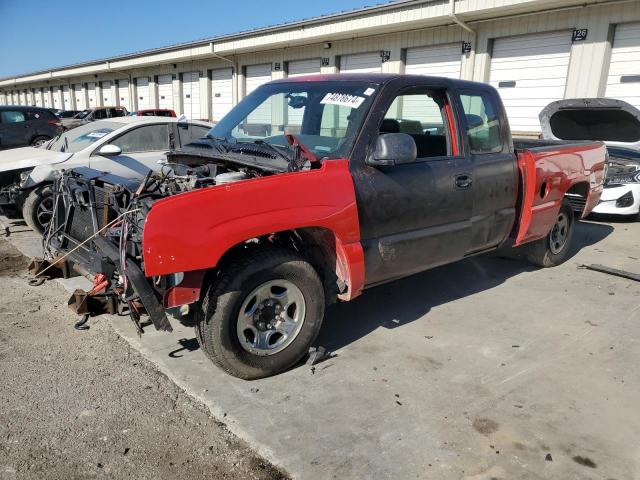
(261, 314)
(554, 249)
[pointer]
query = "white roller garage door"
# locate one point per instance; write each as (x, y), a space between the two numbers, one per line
(361, 63)
(530, 71)
(23, 98)
(436, 60)
(91, 93)
(623, 81)
(191, 94)
(257, 75)
(67, 97)
(3, 98)
(79, 95)
(57, 98)
(107, 95)
(221, 92)
(38, 97)
(46, 95)
(165, 91)
(298, 68)
(124, 99)
(142, 92)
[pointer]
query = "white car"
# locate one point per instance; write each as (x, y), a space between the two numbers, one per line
(125, 146)
(617, 124)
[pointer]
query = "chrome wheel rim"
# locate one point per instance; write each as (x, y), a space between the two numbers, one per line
(271, 317)
(44, 212)
(559, 233)
(40, 142)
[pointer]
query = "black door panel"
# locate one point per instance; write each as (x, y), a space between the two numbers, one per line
(417, 217)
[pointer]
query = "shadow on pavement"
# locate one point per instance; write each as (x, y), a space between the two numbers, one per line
(404, 301)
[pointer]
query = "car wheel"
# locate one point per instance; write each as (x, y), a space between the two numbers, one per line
(38, 141)
(37, 209)
(554, 249)
(261, 314)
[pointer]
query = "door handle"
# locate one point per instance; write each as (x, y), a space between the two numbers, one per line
(463, 181)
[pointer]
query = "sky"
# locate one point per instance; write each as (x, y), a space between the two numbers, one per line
(40, 34)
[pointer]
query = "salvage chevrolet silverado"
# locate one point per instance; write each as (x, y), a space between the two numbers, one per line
(309, 191)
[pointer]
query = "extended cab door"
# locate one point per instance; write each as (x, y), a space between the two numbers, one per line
(487, 140)
(413, 216)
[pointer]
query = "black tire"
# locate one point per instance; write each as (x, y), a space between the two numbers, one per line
(39, 140)
(32, 210)
(548, 251)
(216, 316)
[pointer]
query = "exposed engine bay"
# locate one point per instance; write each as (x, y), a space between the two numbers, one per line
(98, 222)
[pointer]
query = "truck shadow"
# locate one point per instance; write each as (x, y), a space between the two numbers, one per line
(404, 301)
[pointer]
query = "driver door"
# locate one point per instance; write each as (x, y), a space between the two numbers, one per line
(142, 149)
(415, 216)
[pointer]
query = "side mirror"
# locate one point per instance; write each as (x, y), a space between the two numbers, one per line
(393, 149)
(110, 150)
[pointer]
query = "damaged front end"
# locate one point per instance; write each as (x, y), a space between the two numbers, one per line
(97, 227)
(11, 194)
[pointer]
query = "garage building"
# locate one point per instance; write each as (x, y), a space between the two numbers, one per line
(532, 51)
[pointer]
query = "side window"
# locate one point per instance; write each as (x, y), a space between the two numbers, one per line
(420, 112)
(191, 132)
(483, 123)
(144, 139)
(9, 116)
(99, 114)
(116, 112)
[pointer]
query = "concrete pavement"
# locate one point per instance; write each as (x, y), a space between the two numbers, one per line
(488, 368)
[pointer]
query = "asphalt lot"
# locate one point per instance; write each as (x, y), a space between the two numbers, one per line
(488, 368)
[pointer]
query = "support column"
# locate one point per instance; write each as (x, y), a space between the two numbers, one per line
(153, 91)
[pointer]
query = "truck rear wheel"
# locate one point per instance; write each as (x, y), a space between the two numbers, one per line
(261, 314)
(554, 249)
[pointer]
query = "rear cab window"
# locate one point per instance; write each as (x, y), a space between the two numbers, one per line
(422, 113)
(483, 123)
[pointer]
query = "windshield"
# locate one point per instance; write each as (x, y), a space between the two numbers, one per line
(324, 116)
(82, 114)
(81, 137)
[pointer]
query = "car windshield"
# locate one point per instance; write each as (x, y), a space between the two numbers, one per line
(82, 114)
(325, 116)
(81, 137)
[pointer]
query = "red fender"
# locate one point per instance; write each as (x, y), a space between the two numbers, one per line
(193, 230)
(546, 175)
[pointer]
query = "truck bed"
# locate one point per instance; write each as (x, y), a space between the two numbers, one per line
(550, 172)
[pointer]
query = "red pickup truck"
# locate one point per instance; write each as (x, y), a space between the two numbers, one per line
(313, 189)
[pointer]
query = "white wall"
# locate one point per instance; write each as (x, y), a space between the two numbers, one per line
(370, 32)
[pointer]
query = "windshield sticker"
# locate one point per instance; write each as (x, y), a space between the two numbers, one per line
(369, 91)
(343, 99)
(96, 134)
